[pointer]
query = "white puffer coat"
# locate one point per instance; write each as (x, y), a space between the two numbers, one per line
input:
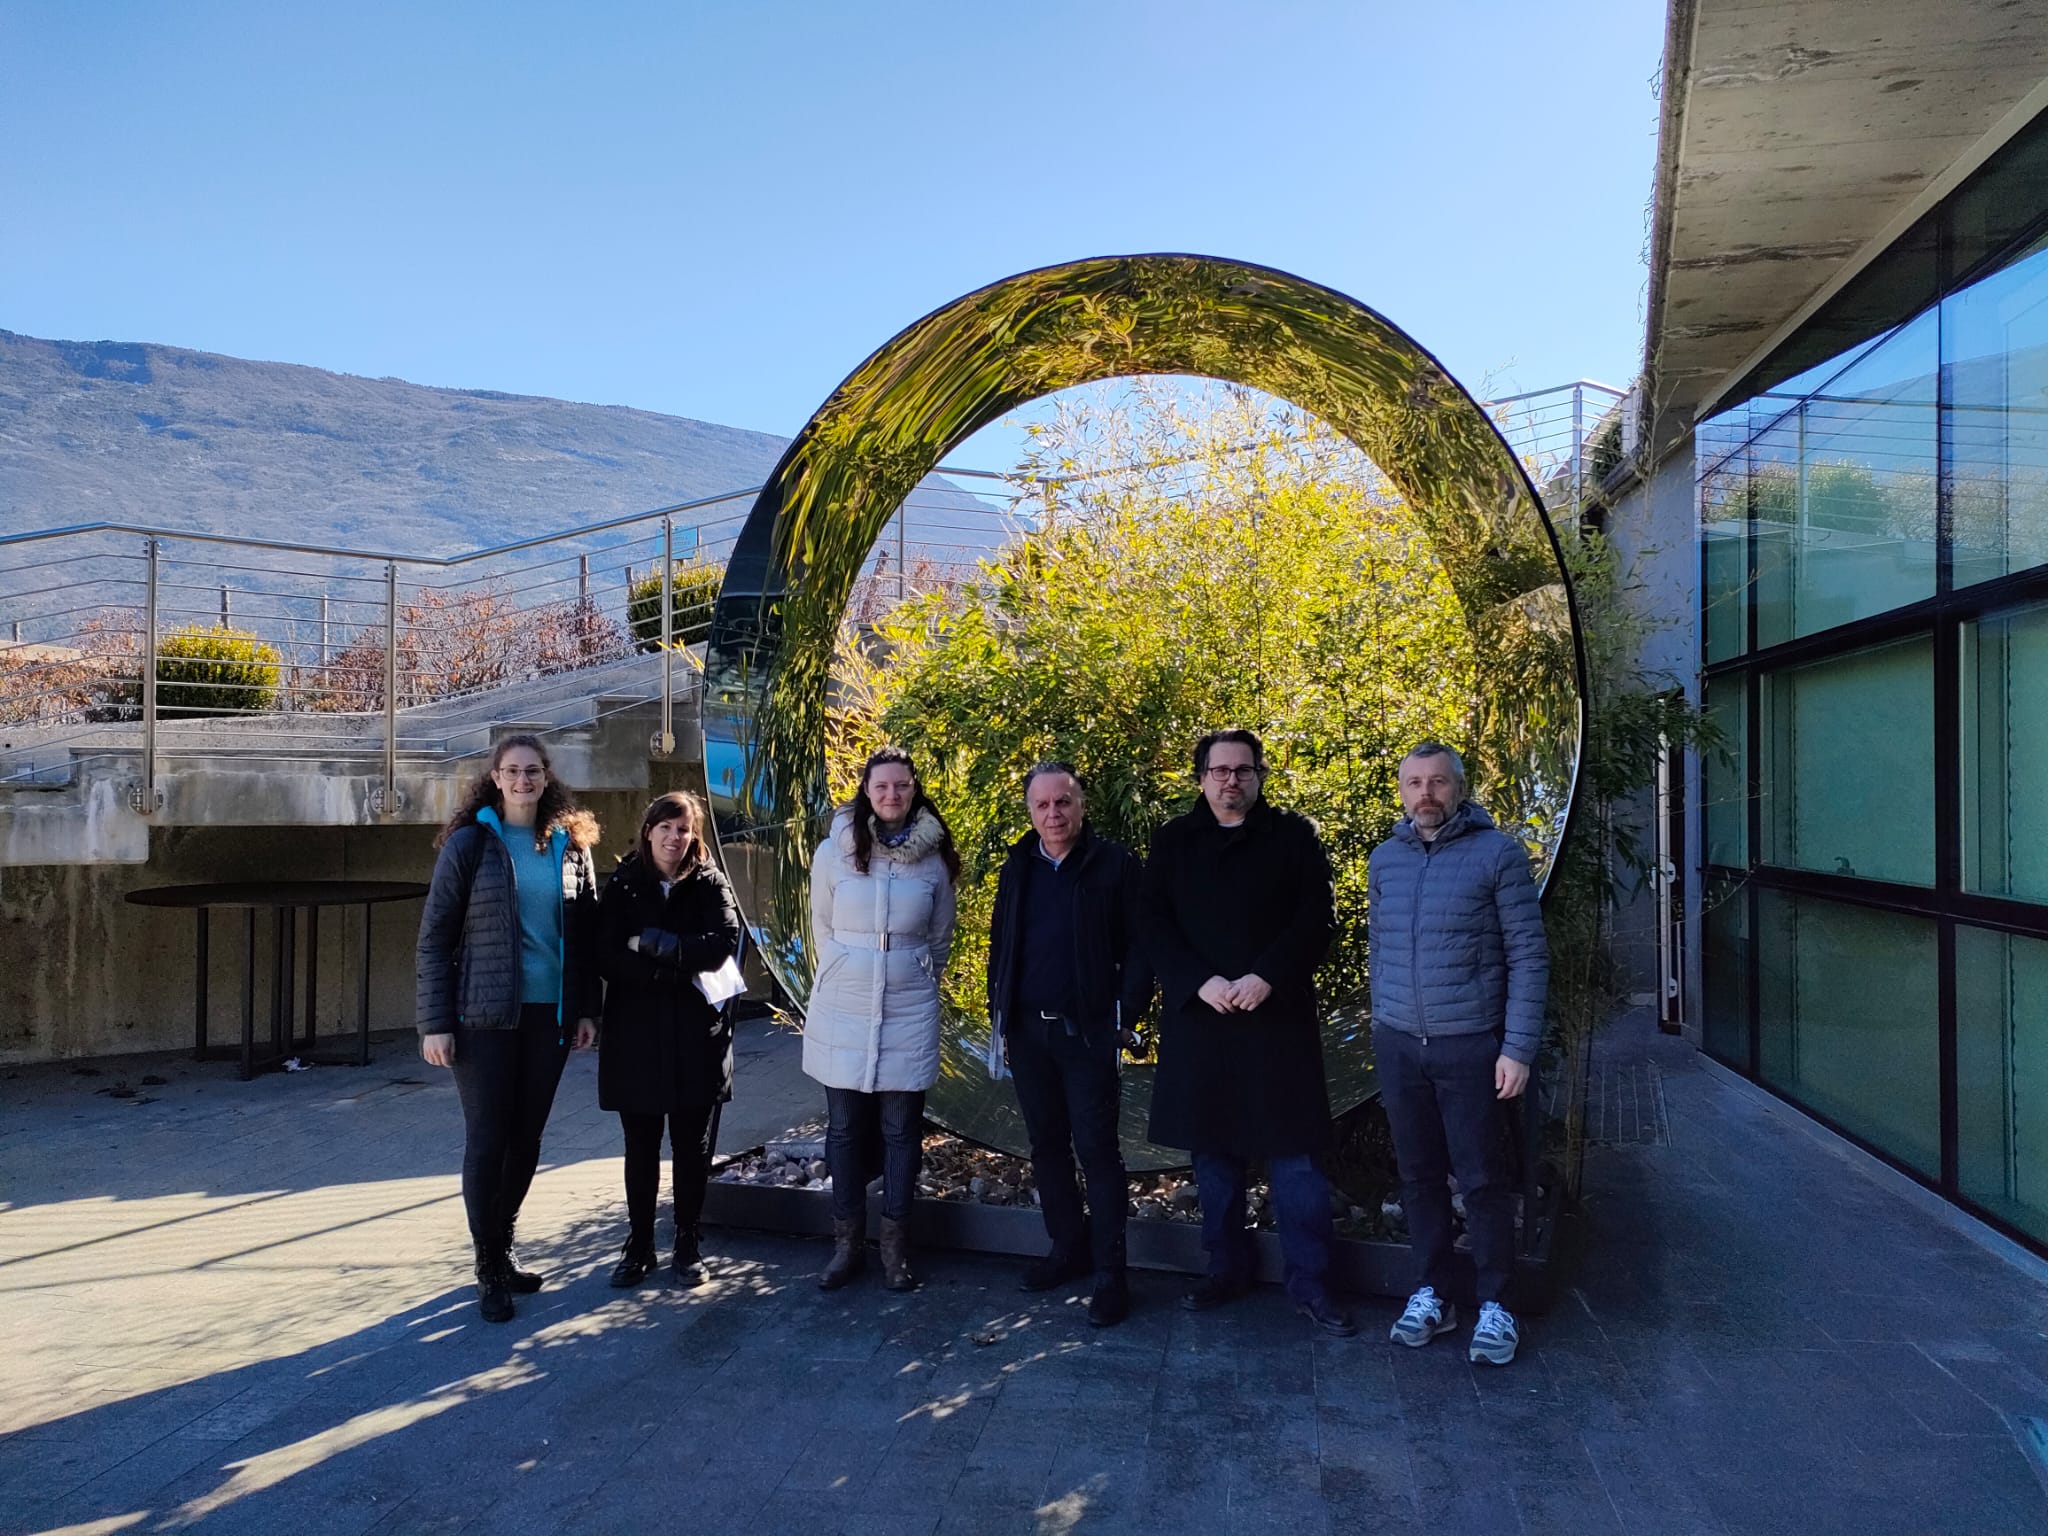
(881, 940)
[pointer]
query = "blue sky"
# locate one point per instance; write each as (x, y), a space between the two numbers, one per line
(716, 210)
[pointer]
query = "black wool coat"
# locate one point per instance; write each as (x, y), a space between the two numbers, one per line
(662, 1046)
(1227, 901)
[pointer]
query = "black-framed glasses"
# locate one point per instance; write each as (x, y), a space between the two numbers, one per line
(1244, 773)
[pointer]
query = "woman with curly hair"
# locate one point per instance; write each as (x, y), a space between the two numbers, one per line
(882, 925)
(507, 980)
(667, 916)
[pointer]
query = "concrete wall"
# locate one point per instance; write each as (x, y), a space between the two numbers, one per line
(85, 973)
(1654, 530)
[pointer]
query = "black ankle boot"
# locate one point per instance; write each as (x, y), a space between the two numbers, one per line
(494, 1287)
(523, 1282)
(635, 1264)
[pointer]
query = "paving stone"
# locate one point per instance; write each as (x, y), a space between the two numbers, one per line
(249, 1304)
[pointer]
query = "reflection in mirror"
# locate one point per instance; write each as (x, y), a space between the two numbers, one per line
(1338, 551)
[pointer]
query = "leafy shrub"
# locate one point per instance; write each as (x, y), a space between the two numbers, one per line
(214, 670)
(1249, 569)
(694, 591)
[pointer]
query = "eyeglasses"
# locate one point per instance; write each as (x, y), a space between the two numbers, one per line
(524, 773)
(1222, 775)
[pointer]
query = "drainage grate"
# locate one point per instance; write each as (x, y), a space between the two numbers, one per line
(1625, 1106)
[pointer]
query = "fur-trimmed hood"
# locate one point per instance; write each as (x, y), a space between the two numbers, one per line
(926, 835)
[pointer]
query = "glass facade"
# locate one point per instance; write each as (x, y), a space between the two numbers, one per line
(1873, 519)
(1849, 1019)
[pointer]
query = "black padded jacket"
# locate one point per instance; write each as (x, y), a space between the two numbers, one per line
(469, 937)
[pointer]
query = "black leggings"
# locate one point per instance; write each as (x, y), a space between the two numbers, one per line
(689, 1139)
(506, 1079)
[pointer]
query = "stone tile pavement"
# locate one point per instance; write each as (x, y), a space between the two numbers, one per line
(244, 1307)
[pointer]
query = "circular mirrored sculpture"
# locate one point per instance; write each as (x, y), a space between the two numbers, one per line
(769, 659)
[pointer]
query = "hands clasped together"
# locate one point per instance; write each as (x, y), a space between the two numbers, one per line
(1239, 996)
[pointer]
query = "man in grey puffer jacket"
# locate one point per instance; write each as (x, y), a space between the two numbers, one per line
(1459, 969)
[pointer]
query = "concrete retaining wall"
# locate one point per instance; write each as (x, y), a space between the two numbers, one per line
(85, 973)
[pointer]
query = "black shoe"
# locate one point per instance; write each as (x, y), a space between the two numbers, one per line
(1055, 1269)
(1328, 1316)
(524, 1282)
(1110, 1304)
(1214, 1291)
(494, 1290)
(634, 1265)
(688, 1267)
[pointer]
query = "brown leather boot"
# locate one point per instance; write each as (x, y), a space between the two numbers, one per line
(896, 1272)
(849, 1253)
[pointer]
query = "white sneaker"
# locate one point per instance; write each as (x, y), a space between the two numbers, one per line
(1423, 1319)
(1494, 1337)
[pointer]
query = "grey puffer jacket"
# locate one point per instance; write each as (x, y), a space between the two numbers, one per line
(1457, 945)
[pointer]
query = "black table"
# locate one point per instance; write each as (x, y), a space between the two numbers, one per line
(284, 898)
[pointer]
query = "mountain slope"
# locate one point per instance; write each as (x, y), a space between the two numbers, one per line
(133, 432)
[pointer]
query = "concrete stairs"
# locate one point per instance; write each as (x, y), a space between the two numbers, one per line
(66, 798)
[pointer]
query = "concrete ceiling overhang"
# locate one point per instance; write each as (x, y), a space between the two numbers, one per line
(1798, 137)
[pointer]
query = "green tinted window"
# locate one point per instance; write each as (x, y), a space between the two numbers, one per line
(2002, 1074)
(1847, 1019)
(1848, 757)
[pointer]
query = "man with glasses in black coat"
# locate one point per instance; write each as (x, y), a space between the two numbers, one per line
(1240, 910)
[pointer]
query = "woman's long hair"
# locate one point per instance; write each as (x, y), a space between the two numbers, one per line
(864, 813)
(667, 808)
(558, 806)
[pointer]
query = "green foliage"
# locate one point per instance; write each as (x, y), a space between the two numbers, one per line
(214, 670)
(1843, 495)
(694, 591)
(1240, 566)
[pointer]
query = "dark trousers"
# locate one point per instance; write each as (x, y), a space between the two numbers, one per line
(1439, 1097)
(689, 1140)
(1071, 1095)
(870, 1131)
(1301, 1210)
(506, 1079)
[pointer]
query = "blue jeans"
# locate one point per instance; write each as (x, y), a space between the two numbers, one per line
(1445, 1118)
(868, 1133)
(1301, 1209)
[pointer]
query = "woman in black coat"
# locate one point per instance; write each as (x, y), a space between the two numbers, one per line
(665, 1052)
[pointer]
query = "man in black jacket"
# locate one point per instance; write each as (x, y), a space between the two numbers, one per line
(1239, 912)
(1066, 986)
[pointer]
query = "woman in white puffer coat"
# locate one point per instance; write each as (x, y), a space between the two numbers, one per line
(882, 926)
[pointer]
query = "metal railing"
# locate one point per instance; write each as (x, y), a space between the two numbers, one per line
(1568, 436)
(124, 641)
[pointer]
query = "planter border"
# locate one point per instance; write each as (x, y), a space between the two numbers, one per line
(1356, 1267)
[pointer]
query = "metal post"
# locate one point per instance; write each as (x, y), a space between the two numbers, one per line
(665, 739)
(901, 512)
(199, 967)
(387, 801)
(146, 798)
(223, 605)
(312, 977)
(583, 635)
(1578, 449)
(363, 997)
(325, 650)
